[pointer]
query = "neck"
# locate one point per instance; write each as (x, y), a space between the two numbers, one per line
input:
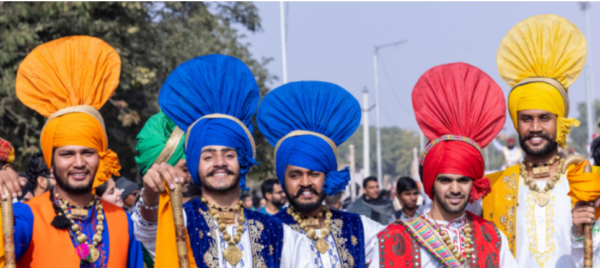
(271, 208)
(81, 200)
(439, 214)
(541, 159)
(226, 199)
(313, 213)
(38, 191)
(409, 212)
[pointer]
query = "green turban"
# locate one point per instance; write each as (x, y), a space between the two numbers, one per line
(152, 140)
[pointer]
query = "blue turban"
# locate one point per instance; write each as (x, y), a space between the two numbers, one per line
(222, 90)
(316, 117)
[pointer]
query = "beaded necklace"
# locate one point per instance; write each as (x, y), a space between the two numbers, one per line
(321, 245)
(232, 254)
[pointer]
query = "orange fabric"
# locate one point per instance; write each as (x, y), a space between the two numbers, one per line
(2, 260)
(585, 187)
(68, 72)
(166, 244)
(48, 242)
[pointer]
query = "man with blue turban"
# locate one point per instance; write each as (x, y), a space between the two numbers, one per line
(212, 100)
(306, 122)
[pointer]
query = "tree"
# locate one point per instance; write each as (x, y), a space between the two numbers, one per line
(152, 38)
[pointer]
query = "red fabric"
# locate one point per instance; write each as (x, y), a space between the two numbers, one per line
(511, 139)
(458, 99)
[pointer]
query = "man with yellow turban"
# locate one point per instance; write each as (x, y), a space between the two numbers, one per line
(540, 58)
(68, 80)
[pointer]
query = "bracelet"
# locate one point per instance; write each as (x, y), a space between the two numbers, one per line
(141, 203)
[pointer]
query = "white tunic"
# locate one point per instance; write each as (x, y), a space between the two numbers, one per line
(295, 252)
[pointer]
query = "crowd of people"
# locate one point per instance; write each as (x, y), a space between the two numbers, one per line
(71, 208)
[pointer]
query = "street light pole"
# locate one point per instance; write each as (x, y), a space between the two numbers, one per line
(377, 104)
(589, 79)
(283, 41)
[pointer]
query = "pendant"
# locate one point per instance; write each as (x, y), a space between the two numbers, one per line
(542, 198)
(232, 254)
(312, 223)
(227, 216)
(94, 254)
(541, 172)
(322, 245)
(79, 213)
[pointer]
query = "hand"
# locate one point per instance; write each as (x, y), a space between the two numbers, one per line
(583, 213)
(153, 182)
(10, 178)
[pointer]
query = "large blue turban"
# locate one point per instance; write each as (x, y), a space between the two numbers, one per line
(213, 99)
(306, 121)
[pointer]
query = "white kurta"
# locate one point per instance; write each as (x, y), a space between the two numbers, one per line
(295, 252)
(455, 229)
(331, 258)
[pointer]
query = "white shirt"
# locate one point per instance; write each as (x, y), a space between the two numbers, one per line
(295, 251)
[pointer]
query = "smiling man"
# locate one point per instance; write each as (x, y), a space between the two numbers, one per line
(213, 99)
(306, 122)
(68, 80)
(540, 58)
(460, 109)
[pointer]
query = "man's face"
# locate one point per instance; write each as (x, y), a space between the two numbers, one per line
(452, 192)
(372, 190)
(277, 198)
(74, 168)
(182, 172)
(409, 198)
(304, 188)
(219, 169)
(510, 144)
(537, 132)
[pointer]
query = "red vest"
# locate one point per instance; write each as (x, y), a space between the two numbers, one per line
(398, 248)
(51, 247)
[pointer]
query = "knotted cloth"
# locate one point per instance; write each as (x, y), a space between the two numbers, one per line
(540, 58)
(7, 152)
(68, 80)
(152, 140)
(460, 109)
(306, 121)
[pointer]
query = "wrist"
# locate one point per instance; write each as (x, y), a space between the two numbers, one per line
(148, 201)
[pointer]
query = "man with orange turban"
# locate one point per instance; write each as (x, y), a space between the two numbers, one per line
(460, 109)
(68, 80)
(539, 59)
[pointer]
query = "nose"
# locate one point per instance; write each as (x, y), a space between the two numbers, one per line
(304, 181)
(454, 188)
(536, 126)
(78, 162)
(220, 161)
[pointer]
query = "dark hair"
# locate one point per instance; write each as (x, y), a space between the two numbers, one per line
(36, 167)
(368, 179)
(405, 184)
(267, 186)
(101, 189)
(595, 150)
(244, 196)
(332, 199)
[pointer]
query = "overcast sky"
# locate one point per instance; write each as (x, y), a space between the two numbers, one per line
(333, 42)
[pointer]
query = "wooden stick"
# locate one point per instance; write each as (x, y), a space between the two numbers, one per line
(180, 231)
(8, 230)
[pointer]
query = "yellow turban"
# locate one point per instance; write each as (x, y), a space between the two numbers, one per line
(540, 58)
(68, 80)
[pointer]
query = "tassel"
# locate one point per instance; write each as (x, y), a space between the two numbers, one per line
(60, 221)
(335, 181)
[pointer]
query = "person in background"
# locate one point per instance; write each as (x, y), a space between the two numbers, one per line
(408, 194)
(273, 195)
(262, 203)
(247, 201)
(595, 152)
(130, 192)
(512, 154)
(334, 201)
(39, 175)
(109, 192)
(372, 205)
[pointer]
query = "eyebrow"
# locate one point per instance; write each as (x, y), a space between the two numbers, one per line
(212, 150)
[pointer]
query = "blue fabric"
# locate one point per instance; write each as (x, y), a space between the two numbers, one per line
(319, 107)
(201, 240)
(352, 226)
(263, 210)
(212, 84)
(24, 232)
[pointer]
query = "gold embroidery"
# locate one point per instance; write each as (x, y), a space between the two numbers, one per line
(270, 249)
(541, 256)
(211, 256)
(256, 227)
(507, 219)
(354, 241)
(340, 241)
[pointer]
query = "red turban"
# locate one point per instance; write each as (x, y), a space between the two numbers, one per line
(460, 109)
(7, 152)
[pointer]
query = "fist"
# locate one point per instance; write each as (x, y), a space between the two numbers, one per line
(153, 182)
(10, 179)
(583, 213)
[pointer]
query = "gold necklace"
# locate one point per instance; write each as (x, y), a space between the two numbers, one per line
(92, 253)
(322, 246)
(541, 196)
(542, 170)
(447, 240)
(232, 254)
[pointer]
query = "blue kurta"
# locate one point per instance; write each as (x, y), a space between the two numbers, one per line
(24, 233)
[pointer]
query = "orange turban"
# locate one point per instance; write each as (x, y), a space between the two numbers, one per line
(68, 80)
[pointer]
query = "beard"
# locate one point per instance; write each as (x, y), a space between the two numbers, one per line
(63, 183)
(550, 146)
(278, 203)
(305, 207)
(221, 189)
(446, 207)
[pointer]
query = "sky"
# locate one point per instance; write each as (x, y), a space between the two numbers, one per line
(334, 42)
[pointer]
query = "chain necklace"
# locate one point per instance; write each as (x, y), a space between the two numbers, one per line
(542, 170)
(232, 254)
(541, 196)
(85, 251)
(321, 245)
(448, 241)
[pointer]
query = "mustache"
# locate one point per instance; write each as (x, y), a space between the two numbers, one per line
(455, 196)
(537, 135)
(212, 172)
(304, 189)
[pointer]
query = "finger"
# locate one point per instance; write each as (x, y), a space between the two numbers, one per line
(167, 176)
(597, 203)
(158, 181)
(151, 185)
(12, 184)
(173, 173)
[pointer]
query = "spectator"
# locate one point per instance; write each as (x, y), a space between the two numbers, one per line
(273, 195)
(130, 192)
(39, 175)
(335, 201)
(595, 151)
(408, 194)
(262, 203)
(372, 205)
(247, 201)
(109, 192)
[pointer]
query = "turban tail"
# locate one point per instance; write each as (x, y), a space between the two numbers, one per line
(76, 74)
(152, 141)
(314, 153)
(219, 132)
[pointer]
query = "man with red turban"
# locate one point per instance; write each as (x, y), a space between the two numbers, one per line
(460, 109)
